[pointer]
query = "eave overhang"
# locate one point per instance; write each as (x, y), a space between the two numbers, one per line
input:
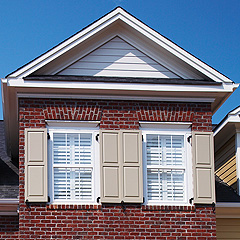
(227, 128)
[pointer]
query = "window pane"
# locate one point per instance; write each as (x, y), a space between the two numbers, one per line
(61, 148)
(72, 148)
(154, 149)
(62, 183)
(175, 187)
(154, 185)
(83, 184)
(72, 183)
(174, 150)
(83, 148)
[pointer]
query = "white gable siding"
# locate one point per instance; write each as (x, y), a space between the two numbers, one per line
(119, 59)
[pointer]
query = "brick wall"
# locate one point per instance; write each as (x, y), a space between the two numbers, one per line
(9, 227)
(111, 221)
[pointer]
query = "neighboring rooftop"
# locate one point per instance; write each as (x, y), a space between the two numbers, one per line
(8, 171)
(225, 193)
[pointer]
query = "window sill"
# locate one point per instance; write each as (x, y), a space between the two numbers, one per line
(92, 207)
(57, 206)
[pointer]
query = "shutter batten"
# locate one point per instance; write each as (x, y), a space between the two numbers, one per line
(36, 165)
(203, 167)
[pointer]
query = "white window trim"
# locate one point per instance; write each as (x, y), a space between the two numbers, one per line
(172, 130)
(96, 164)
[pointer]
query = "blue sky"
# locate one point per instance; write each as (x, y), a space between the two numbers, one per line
(209, 29)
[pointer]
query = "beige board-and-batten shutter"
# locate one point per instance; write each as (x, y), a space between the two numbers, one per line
(36, 165)
(121, 166)
(203, 167)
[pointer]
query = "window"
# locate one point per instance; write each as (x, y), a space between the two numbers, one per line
(73, 156)
(166, 164)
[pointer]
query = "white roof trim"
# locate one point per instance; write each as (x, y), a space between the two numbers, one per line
(119, 14)
(232, 117)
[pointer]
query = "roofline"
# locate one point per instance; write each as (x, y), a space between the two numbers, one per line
(62, 42)
(223, 122)
(160, 35)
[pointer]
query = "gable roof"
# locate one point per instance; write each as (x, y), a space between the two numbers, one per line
(119, 15)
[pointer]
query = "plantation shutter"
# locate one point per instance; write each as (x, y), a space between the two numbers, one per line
(111, 187)
(36, 165)
(203, 164)
(72, 166)
(165, 167)
(121, 166)
(132, 166)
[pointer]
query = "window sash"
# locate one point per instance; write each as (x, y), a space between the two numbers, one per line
(76, 181)
(166, 174)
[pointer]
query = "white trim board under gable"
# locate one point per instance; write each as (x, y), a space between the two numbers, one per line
(120, 16)
(119, 59)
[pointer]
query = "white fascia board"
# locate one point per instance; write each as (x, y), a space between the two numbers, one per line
(174, 49)
(236, 111)
(230, 119)
(19, 82)
(119, 13)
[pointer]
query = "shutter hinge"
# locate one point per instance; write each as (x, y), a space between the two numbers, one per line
(213, 207)
(98, 199)
(97, 136)
(48, 136)
(191, 200)
(143, 199)
(142, 137)
(48, 199)
(188, 138)
(123, 205)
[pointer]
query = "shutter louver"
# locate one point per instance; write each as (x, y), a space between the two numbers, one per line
(203, 164)
(36, 165)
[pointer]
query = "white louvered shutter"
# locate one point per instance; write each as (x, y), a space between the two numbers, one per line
(165, 167)
(72, 166)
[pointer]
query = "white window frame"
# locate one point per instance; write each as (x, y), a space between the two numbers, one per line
(96, 163)
(170, 130)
